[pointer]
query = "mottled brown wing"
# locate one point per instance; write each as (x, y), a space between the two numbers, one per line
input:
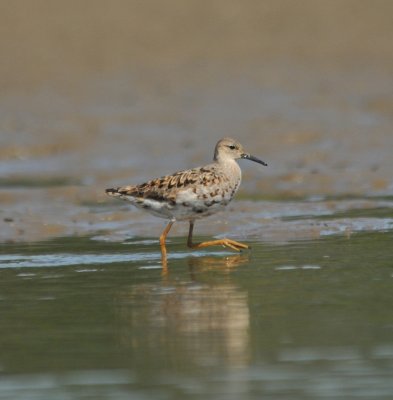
(167, 187)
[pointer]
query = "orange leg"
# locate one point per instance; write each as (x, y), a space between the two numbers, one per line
(232, 244)
(163, 236)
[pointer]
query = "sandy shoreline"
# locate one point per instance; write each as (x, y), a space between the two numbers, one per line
(94, 96)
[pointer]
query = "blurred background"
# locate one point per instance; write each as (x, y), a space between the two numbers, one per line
(99, 93)
(95, 94)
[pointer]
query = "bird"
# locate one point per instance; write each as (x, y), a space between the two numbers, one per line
(192, 194)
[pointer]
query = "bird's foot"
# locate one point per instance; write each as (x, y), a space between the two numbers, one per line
(232, 244)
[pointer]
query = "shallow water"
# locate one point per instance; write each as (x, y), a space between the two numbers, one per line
(83, 318)
(95, 96)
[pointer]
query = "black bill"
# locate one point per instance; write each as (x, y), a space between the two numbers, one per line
(252, 158)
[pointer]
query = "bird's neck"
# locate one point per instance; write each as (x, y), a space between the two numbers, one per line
(230, 166)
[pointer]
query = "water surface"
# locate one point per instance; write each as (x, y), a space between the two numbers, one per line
(83, 318)
(95, 96)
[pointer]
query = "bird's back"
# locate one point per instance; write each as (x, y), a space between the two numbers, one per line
(185, 195)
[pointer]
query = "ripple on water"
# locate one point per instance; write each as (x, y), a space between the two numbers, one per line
(69, 259)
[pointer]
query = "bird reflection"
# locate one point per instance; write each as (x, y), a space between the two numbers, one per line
(223, 264)
(186, 319)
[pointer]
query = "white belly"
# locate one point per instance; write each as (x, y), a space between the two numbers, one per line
(183, 211)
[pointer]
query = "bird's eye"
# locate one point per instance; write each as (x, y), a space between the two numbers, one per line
(232, 147)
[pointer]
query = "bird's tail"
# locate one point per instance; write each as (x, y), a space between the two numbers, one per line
(114, 192)
(124, 192)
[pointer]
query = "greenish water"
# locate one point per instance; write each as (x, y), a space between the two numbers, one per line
(83, 319)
